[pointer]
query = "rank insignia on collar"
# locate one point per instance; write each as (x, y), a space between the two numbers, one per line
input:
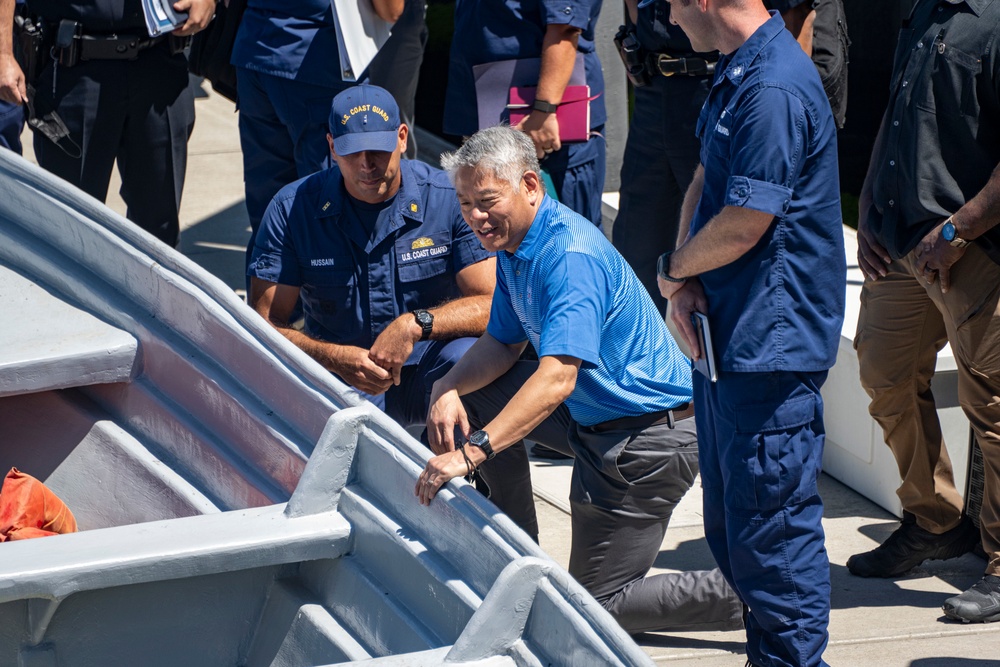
(413, 207)
(325, 206)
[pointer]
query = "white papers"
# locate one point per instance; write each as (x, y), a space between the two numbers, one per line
(161, 17)
(360, 34)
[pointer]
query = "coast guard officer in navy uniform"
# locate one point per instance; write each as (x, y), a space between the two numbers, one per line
(762, 256)
(394, 285)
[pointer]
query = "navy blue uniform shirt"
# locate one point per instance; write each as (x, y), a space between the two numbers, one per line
(768, 143)
(293, 39)
(353, 283)
(488, 31)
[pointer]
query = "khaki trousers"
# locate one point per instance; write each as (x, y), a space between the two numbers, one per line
(904, 322)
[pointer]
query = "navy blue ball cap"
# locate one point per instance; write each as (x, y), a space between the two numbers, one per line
(364, 118)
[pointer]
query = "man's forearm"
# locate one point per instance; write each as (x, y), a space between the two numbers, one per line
(7, 28)
(465, 316)
(323, 352)
(632, 6)
(543, 392)
(799, 20)
(558, 59)
(727, 237)
(690, 205)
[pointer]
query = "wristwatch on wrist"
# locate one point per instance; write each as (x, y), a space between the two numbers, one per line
(543, 106)
(663, 268)
(950, 234)
(481, 439)
(426, 322)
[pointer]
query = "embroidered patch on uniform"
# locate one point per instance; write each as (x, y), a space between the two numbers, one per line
(719, 127)
(322, 262)
(422, 242)
(423, 251)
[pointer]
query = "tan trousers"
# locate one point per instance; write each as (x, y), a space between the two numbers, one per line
(904, 322)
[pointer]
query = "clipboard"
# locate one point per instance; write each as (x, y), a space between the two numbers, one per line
(706, 364)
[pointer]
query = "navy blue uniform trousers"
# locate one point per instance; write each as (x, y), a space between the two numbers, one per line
(409, 401)
(283, 127)
(661, 154)
(11, 125)
(140, 112)
(761, 441)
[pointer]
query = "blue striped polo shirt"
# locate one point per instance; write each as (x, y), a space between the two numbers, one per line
(569, 292)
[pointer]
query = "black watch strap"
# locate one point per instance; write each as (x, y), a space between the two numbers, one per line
(543, 106)
(663, 268)
(481, 439)
(426, 322)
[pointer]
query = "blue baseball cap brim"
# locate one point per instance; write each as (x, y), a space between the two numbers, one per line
(647, 3)
(356, 142)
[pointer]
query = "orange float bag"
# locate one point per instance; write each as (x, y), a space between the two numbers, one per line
(29, 509)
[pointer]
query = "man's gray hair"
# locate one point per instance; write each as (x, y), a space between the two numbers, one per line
(504, 152)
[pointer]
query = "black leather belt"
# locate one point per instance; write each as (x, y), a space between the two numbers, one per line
(116, 47)
(639, 422)
(667, 65)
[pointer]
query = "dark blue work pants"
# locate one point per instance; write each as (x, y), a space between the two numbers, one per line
(761, 441)
(11, 126)
(408, 402)
(283, 128)
(661, 154)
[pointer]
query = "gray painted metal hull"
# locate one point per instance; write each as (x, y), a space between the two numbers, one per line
(178, 426)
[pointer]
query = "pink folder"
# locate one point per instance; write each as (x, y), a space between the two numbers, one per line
(573, 113)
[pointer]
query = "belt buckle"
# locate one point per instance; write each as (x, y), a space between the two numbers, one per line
(664, 58)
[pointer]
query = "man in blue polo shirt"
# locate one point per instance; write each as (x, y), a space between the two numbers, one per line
(554, 31)
(393, 285)
(763, 256)
(610, 388)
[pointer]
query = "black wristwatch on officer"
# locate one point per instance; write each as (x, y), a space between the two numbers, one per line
(543, 106)
(663, 268)
(481, 439)
(950, 234)
(426, 322)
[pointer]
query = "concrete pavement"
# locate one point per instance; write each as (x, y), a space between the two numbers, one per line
(897, 623)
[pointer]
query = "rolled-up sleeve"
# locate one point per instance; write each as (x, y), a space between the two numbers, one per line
(574, 13)
(770, 129)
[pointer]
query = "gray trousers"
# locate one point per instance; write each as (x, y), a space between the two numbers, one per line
(625, 486)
